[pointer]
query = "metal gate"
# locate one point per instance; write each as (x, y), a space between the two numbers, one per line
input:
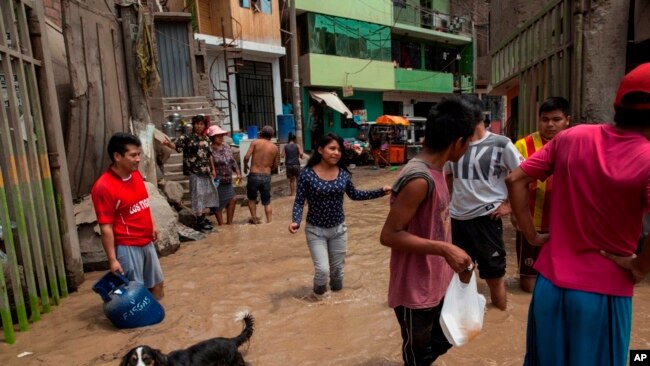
(540, 55)
(255, 94)
(174, 55)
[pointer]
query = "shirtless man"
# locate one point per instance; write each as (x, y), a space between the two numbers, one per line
(264, 154)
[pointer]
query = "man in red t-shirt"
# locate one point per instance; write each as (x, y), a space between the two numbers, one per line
(122, 207)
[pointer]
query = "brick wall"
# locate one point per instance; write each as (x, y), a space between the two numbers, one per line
(53, 11)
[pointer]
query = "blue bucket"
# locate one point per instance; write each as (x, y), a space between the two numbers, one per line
(252, 132)
(128, 304)
(286, 125)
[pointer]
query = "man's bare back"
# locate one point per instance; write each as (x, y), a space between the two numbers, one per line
(263, 156)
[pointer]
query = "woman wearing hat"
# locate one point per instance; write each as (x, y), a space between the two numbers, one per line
(224, 164)
(198, 165)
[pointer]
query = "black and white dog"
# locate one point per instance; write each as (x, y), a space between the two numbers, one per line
(212, 352)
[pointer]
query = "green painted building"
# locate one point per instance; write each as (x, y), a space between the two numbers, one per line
(379, 57)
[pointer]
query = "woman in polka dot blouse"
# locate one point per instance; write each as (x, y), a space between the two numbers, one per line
(322, 184)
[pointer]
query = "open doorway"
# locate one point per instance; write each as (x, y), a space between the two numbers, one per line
(422, 109)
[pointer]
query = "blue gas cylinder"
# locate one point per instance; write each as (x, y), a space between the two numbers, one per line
(128, 304)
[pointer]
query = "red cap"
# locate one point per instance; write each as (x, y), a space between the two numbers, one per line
(637, 80)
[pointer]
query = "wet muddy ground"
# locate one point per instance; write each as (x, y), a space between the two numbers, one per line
(266, 270)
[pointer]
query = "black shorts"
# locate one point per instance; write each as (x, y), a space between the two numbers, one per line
(423, 340)
(526, 256)
(482, 239)
(259, 182)
(293, 171)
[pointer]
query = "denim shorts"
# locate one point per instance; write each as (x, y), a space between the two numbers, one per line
(261, 183)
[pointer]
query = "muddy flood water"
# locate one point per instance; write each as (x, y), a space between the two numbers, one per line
(267, 271)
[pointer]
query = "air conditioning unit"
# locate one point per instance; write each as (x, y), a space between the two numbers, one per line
(441, 22)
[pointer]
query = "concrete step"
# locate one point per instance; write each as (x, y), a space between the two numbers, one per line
(174, 167)
(175, 176)
(175, 158)
(177, 100)
(176, 106)
(190, 112)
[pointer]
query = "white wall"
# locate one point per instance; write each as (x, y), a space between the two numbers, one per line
(253, 52)
(217, 72)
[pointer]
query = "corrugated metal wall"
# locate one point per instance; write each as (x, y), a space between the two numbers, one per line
(540, 55)
(174, 56)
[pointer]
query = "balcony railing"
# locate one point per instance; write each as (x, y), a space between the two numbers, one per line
(463, 83)
(410, 14)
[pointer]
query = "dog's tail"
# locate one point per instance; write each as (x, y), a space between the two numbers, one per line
(247, 332)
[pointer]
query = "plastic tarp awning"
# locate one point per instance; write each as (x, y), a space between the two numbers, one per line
(392, 120)
(331, 100)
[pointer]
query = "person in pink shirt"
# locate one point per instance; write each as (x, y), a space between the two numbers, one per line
(581, 308)
(418, 231)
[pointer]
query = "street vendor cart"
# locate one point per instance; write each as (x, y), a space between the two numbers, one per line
(393, 131)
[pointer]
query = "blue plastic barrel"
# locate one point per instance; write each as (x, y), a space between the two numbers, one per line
(286, 125)
(128, 304)
(252, 132)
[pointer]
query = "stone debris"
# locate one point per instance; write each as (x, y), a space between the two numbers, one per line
(186, 233)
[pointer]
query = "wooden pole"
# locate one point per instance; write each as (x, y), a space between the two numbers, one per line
(29, 98)
(27, 187)
(30, 243)
(58, 164)
(40, 214)
(9, 162)
(14, 273)
(54, 251)
(138, 103)
(5, 311)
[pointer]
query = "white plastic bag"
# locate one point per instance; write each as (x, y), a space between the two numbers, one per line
(461, 317)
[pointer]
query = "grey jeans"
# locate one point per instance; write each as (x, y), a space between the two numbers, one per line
(328, 247)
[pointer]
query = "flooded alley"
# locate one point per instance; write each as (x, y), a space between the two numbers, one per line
(266, 270)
